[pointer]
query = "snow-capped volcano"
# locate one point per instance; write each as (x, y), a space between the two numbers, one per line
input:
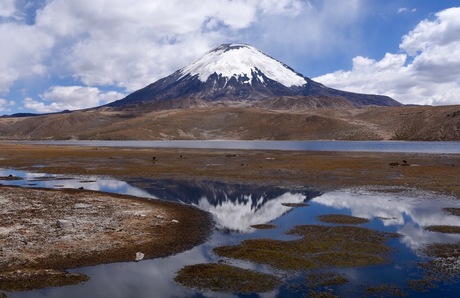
(244, 63)
(239, 72)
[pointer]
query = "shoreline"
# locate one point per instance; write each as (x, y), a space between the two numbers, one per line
(320, 170)
(181, 227)
(46, 232)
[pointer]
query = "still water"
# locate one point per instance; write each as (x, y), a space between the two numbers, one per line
(363, 146)
(236, 208)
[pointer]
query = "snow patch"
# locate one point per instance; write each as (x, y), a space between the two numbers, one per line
(240, 61)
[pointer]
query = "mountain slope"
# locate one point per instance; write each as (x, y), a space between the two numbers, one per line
(242, 123)
(237, 72)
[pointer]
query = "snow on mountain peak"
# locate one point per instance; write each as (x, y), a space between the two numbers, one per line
(242, 61)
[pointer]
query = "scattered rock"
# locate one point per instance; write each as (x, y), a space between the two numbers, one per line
(174, 221)
(397, 164)
(139, 256)
(82, 206)
(64, 224)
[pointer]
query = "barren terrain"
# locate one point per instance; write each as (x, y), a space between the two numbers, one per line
(43, 232)
(240, 122)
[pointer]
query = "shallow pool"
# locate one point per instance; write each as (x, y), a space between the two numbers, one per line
(237, 207)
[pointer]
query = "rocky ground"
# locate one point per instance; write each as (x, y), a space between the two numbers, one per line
(43, 232)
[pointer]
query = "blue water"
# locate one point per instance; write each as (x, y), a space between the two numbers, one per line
(362, 146)
(235, 208)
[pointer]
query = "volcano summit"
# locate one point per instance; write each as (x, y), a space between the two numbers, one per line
(241, 73)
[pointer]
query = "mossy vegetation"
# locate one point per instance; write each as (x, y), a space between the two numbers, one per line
(444, 229)
(384, 291)
(294, 204)
(39, 279)
(10, 178)
(342, 219)
(326, 279)
(320, 246)
(452, 211)
(442, 266)
(225, 278)
(264, 226)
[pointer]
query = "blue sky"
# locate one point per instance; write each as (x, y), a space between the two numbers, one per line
(74, 54)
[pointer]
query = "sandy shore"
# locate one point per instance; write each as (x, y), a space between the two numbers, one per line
(59, 229)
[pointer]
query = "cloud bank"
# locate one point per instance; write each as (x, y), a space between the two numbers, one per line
(425, 71)
(65, 54)
(122, 44)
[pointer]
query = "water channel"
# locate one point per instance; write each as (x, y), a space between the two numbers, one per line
(236, 207)
(363, 146)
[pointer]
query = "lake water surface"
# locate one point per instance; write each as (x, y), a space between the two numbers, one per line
(364, 146)
(236, 207)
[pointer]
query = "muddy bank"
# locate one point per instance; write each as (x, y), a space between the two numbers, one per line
(45, 231)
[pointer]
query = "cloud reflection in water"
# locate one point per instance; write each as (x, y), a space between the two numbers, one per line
(408, 213)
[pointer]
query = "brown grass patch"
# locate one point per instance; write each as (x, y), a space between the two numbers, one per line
(444, 229)
(320, 246)
(264, 226)
(384, 291)
(452, 211)
(294, 204)
(442, 267)
(326, 279)
(25, 280)
(342, 219)
(225, 278)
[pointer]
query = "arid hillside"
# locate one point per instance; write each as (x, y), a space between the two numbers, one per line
(240, 122)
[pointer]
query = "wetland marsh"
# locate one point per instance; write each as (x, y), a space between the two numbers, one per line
(308, 224)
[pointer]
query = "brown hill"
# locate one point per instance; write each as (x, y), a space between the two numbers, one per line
(241, 122)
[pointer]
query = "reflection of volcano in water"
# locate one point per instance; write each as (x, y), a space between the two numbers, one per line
(234, 206)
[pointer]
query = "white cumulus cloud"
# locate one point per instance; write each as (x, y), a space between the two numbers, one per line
(59, 98)
(130, 44)
(424, 72)
(127, 45)
(7, 8)
(6, 104)
(22, 53)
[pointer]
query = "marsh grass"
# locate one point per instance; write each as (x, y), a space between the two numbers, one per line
(225, 278)
(326, 279)
(264, 226)
(452, 211)
(444, 229)
(320, 246)
(384, 290)
(442, 266)
(39, 279)
(342, 219)
(295, 205)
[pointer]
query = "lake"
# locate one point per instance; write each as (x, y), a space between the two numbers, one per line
(364, 146)
(237, 207)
